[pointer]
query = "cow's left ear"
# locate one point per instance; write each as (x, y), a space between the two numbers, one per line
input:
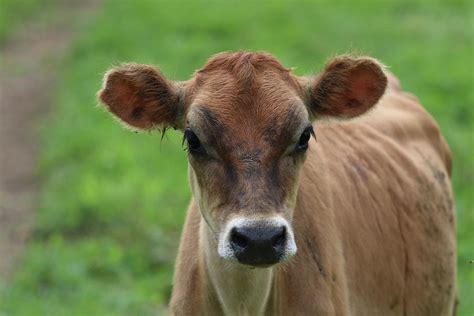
(141, 97)
(347, 87)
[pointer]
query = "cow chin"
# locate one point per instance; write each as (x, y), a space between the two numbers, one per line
(258, 243)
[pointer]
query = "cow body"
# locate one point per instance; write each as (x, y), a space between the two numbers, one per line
(374, 224)
(358, 220)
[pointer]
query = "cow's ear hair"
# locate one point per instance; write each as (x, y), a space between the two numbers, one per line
(140, 96)
(347, 87)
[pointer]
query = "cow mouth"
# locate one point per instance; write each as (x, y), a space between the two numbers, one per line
(259, 262)
(260, 265)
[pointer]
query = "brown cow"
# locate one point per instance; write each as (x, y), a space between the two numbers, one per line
(359, 221)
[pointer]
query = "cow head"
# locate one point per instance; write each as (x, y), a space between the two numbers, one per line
(247, 123)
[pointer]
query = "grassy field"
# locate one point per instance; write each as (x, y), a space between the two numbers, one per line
(112, 202)
(14, 13)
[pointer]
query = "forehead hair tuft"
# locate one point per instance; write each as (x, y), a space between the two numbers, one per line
(242, 65)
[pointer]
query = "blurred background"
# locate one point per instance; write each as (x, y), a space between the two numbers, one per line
(91, 214)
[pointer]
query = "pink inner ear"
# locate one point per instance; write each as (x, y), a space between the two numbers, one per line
(363, 88)
(348, 87)
(126, 98)
(140, 96)
(124, 104)
(121, 99)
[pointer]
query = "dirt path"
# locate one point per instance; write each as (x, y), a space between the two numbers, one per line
(28, 67)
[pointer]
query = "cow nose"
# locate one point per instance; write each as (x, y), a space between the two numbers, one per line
(258, 245)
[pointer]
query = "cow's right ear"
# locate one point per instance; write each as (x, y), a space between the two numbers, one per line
(140, 97)
(347, 87)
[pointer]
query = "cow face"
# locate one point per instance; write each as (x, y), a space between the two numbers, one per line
(247, 126)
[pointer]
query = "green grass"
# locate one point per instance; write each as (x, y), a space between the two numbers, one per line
(14, 13)
(112, 202)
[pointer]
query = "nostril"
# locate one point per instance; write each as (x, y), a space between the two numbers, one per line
(238, 240)
(279, 238)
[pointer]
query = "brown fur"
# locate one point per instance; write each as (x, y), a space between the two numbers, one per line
(370, 202)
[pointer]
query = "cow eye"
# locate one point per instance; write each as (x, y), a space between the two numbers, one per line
(194, 144)
(304, 138)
